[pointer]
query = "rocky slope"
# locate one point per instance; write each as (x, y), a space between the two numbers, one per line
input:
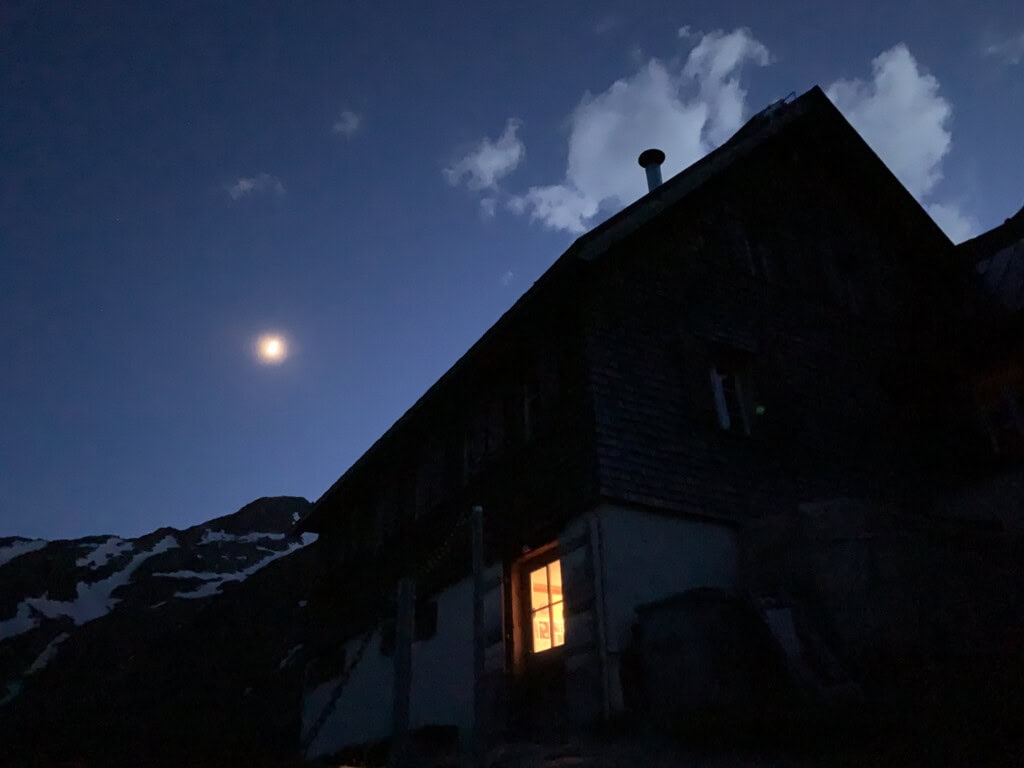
(176, 647)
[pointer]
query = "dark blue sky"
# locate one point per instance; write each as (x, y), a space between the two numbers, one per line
(377, 182)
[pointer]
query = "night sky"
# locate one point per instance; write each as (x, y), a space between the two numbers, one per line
(376, 183)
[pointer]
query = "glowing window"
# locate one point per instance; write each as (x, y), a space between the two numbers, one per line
(547, 615)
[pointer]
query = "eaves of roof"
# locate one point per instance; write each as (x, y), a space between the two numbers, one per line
(592, 245)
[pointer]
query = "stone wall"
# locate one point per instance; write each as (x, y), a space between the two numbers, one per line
(886, 588)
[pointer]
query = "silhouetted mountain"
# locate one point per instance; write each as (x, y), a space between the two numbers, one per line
(177, 647)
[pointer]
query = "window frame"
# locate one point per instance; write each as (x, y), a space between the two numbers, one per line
(530, 612)
(742, 395)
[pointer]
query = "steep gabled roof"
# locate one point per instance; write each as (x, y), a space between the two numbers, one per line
(771, 121)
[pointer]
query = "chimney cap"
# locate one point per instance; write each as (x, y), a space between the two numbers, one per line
(651, 157)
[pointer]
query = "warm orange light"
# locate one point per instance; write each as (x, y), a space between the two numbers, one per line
(546, 607)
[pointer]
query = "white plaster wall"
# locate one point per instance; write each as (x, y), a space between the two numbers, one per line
(363, 713)
(644, 557)
(442, 667)
(442, 681)
(647, 557)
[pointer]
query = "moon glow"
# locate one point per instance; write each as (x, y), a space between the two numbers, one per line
(271, 349)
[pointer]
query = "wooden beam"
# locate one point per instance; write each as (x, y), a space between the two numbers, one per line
(478, 752)
(398, 755)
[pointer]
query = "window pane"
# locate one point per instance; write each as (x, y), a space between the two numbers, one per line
(541, 630)
(557, 625)
(555, 580)
(721, 406)
(539, 588)
(546, 611)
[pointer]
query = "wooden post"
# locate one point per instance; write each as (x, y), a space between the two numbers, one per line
(403, 672)
(600, 613)
(479, 732)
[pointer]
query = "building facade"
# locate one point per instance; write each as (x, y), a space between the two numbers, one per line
(776, 325)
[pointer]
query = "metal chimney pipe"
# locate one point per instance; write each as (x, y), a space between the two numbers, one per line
(650, 160)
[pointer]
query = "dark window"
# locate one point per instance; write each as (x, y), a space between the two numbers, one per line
(755, 255)
(360, 531)
(387, 513)
(387, 639)
(733, 397)
(494, 426)
(430, 475)
(531, 407)
(328, 665)
(847, 280)
(515, 423)
(424, 627)
(475, 445)
(426, 620)
(1000, 397)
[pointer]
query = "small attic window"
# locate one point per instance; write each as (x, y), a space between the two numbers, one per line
(728, 391)
(732, 391)
(756, 256)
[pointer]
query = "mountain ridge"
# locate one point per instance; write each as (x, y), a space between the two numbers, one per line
(110, 646)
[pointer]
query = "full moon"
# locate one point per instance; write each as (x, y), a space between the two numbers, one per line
(271, 349)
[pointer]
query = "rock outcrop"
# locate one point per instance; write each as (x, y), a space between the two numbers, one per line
(178, 647)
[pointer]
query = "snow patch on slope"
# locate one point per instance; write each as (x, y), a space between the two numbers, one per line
(91, 602)
(102, 554)
(289, 658)
(22, 621)
(13, 689)
(214, 581)
(247, 538)
(48, 653)
(19, 548)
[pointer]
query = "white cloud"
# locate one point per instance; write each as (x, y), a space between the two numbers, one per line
(1010, 50)
(689, 109)
(906, 121)
(250, 185)
(901, 115)
(491, 161)
(558, 206)
(684, 112)
(347, 124)
(488, 207)
(957, 225)
(714, 64)
(606, 24)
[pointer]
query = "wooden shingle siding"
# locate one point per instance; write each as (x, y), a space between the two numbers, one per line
(824, 358)
(790, 256)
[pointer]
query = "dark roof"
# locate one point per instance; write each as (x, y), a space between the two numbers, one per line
(590, 246)
(988, 243)
(998, 256)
